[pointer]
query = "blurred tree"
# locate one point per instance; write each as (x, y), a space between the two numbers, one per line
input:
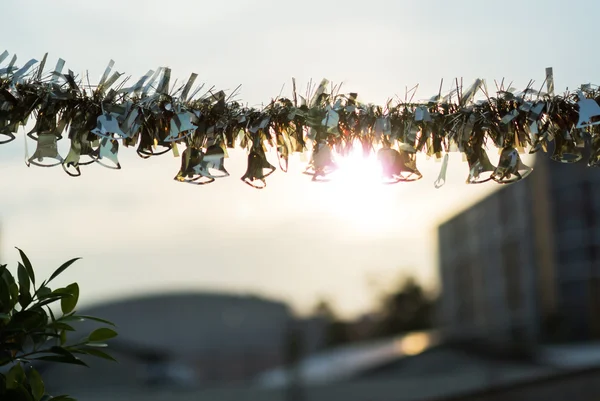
(336, 330)
(407, 309)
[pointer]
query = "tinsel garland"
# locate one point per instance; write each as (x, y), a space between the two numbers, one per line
(155, 118)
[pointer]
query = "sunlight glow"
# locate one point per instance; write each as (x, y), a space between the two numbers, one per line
(413, 344)
(357, 196)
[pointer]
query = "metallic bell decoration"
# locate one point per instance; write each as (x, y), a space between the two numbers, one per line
(150, 141)
(191, 171)
(398, 166)
(565, 148)
(7, 130)
(109, 149)
(407, 167)
(107, 124)
(258, 167)
(588, 109)
(510, 167)
(480, 168)
(213, 158)
(79, 147)
(322, 163)
(46, 148)
(181, 126)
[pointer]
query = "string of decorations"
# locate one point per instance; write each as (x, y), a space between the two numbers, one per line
(155, 117)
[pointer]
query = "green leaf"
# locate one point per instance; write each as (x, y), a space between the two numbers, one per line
(28, 320)
(57, 294)
(84, 317)
(61, 359)
(4, 316)
(14, 294)
(51, 315)
(15, 376)
(62, 398)
(5, 300)
(67, 304)
(61, 326)
(43, 292)
(61, 351)
(96, 345)
(62, 269)
(28, 266)
(37, 384)
(99, 354)
(24, 286)
(63, 337)
(102, 334)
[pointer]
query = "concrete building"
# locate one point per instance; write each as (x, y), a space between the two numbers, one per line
(524, 263)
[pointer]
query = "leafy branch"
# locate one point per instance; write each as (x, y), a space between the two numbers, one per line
(30, 331)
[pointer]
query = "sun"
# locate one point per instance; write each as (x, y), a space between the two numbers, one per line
(357, 196)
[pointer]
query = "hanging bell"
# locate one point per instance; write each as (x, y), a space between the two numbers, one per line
(7, 130)
(588, 109)
(565, 148)
(109, 149)
(510, 167)
(45, 123)
(388, 157)
(398, 166)
(322, 163)
(480, 168)
(408, 166)
(46, 148)
(107, 124)
(191, 171)
(151, 138)
(213, 158)
(80, 146)
(257, 164)
(181, 123)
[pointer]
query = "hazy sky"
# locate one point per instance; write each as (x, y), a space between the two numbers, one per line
(139, 231)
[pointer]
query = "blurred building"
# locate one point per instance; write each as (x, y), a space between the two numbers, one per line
(523, 264)
(181, 340)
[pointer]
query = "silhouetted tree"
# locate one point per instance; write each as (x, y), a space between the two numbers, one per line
(336, 330)
(407, 309)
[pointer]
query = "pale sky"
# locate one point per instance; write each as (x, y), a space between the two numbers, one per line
(139, 231)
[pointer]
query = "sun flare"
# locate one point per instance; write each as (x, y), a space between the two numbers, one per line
(357, 196)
